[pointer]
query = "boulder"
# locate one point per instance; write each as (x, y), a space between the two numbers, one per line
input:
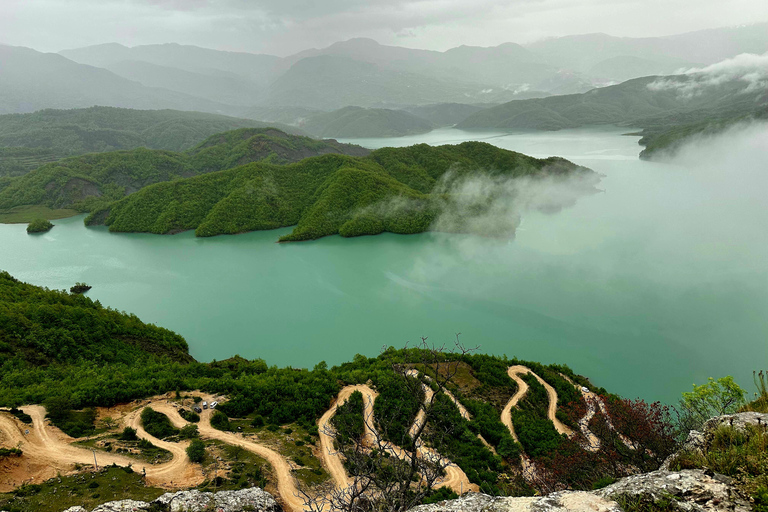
(565, 501)
(122, 506)
(253, 499)
(688, 490)
(224, 501)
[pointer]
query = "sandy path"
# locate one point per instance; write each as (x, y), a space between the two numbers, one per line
(180, 471)
(331, 458)
(514, 372)
(48, 446)
(593, 442)
(286, 485)
(455, 478)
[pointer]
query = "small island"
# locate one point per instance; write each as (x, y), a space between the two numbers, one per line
(79, 288)
(39, 226)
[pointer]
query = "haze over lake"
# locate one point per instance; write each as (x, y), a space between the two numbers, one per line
(655, 283)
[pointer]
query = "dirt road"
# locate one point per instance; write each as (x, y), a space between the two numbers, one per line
(454, 478)
(179, 470)
(330, 456)
(47, 446)
(593, 442)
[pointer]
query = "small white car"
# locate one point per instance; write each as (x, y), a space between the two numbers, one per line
(214, 404)
(585, 389)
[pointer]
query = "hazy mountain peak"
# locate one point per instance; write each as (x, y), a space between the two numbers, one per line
(357, 42)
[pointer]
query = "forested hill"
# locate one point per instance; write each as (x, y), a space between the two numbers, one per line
(53, 134)
(90, 181)
(398, 190)
(642, 102)
(366, 122)
(50, 327)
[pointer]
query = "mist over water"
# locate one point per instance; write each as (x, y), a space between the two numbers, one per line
(656, 282)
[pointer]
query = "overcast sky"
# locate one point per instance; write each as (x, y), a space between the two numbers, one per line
(283, 27)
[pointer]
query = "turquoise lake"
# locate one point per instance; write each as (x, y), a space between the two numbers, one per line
(657, 282)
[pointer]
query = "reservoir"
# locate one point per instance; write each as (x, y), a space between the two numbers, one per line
(657, 282)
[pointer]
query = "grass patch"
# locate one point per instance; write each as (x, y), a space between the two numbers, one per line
(238, 468)
(87, 489)
(139, 449)
(294, 441)
(24, 214)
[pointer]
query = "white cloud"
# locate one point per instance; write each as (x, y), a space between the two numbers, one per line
(749, 68)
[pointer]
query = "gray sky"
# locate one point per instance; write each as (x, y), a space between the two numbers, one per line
(283, 27)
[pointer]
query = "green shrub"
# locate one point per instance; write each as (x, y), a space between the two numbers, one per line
(220, 421)
(157, 424)
(128, 434)
(39, 226)
(196, 451)
(189, 432)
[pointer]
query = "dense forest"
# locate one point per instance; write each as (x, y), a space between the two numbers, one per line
(93, 180)
(398, 190)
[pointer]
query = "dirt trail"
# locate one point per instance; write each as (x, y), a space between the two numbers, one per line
(180, 470)
(514, 372)
(286, 485)
(454, 478)
(593, 442)
(330, 456)
(49, 447)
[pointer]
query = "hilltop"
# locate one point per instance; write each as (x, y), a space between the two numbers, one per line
(399, 190)
(30, 140)
(667, 109)
(87, 181)
(354, 122)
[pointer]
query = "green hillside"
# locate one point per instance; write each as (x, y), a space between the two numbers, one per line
(92, 180)
(366, 122)
(663, 139)
(98, 129)
(49, 327)
(390, 190)
(638, 103)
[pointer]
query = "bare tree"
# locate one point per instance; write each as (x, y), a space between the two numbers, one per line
(389, 474)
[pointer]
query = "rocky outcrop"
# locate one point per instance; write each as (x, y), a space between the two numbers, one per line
(684, 491)
(692, 490)
(567, 501)
(700, 442)
(253, 499)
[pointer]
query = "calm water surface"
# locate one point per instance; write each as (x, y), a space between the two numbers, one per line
(657, 282)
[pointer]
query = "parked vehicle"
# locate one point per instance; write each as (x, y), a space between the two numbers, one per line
(214, 404)
(585, 389)
(198, 410)
(205, 405)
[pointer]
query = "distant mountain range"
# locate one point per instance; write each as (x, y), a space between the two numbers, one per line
(358, 72)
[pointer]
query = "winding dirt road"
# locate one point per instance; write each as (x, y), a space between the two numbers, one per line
(592, 441)
(46, 445)
(179, 469)
(455, 478)
(514, 372)
(331, 458)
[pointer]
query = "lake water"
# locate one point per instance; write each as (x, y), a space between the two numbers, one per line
(658, 282)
